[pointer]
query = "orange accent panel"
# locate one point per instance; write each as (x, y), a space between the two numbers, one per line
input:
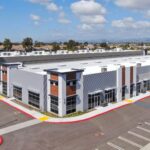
(71, 76)
(54, 77)
(54, 90)
(71, 90)
(4, 68)
(4, 77)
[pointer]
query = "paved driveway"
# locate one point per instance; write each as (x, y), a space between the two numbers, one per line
(10, 116)
(94, 134)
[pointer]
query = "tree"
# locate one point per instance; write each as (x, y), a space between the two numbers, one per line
(125, 46)
(55, 46)
(95, 46)
(86, 43)
(27, 44)
(81, 46)
(71, 45)
(103, 45)
(7, 45)
(37, 44)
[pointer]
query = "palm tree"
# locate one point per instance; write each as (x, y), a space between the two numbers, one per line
(7, 45)
(55, 46)
(27, 44)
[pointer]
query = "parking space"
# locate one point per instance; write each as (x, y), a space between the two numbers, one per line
(135, 139)
(122, 144)
(141, 132)
(10, 116)
(112, 131)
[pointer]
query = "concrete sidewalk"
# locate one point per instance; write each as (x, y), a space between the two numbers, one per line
(147, 147)
(19, 126)
(97, 112)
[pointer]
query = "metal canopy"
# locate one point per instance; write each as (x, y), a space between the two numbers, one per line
(96, 92)
(110, 88)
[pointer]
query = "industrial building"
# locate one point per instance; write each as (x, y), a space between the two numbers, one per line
(64, 87)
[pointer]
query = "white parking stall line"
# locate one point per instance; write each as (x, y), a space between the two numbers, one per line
(130, 142)
(143, 129)
(115, 146)
(147, 123)
(139, 136)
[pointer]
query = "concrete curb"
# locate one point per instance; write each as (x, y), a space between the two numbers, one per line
(73, 121)
(20, 110)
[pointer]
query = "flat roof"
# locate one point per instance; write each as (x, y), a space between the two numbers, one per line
(89, 66)
(10, 64)
(63, 70)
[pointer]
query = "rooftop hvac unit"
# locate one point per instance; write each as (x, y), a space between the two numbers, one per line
(138, 64)
(104, 69)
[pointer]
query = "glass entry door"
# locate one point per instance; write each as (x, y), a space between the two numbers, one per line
(138, 88)
(146, 85)
(110, 96)
(95, 100)
(131, 90)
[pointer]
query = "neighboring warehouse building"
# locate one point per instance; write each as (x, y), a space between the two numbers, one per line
(66, 87)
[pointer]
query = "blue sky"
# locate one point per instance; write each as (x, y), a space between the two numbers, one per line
(82, 20)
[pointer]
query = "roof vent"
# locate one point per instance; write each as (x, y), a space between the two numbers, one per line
(104, 69)
(62, 65)
(84, 63)
(35, 68)
(139, 65)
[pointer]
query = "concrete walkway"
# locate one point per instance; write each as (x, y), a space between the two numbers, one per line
(147, 147)
(19, 126)
(97, 112)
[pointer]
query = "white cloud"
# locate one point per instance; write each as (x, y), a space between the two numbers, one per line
(52, 7)
(36, 19)
(39, 1)
(85, 27)
(147, 14)
(62, 14)
(96, 19)
(36, 23)
(87, 7)
(49, 4)
(130, 23)
(89, 12)
(62, 18)
(133, 4)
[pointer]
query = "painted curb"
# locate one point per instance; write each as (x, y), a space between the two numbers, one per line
(1, 140)
(20, 110)
(86, 119)
(75, 121)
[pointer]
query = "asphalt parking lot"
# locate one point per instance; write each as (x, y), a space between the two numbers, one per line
(10, 116)
(118, 127)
